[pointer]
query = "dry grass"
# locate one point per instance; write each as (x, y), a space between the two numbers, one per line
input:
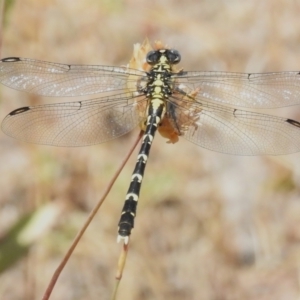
(209, 226)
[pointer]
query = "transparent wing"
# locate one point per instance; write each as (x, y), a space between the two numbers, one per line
(78, 123)
(264, 90)
(53, 79)
(235, 131)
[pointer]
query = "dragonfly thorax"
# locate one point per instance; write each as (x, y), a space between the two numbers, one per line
(160, 83)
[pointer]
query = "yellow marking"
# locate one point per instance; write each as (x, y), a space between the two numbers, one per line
(159, 84)
(163, 59)
(150, 138)
(157, 120)
(148, 120)
(156, 103)
(157, 90)
(125, 212)
(138, 176)
(157, 96)
(143, 156)
(134, 196)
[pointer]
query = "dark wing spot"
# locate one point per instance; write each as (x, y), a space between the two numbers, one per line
(10, 59)
(293, 122)
(19, 110)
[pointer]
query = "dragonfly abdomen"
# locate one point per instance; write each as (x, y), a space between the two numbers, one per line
(126, 222)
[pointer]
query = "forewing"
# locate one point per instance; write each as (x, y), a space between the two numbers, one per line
(60, 80)
(261, 90)
(77, 123)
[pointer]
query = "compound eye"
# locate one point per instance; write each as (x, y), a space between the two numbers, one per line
(173, 56)
(152, 57)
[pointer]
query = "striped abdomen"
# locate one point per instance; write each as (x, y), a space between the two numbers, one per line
(129, 209)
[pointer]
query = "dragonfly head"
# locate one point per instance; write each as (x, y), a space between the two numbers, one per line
(172, 56)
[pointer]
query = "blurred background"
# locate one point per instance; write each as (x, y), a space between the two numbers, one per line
(209, 225)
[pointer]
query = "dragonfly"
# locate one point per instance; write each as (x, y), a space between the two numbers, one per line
(203, 107)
